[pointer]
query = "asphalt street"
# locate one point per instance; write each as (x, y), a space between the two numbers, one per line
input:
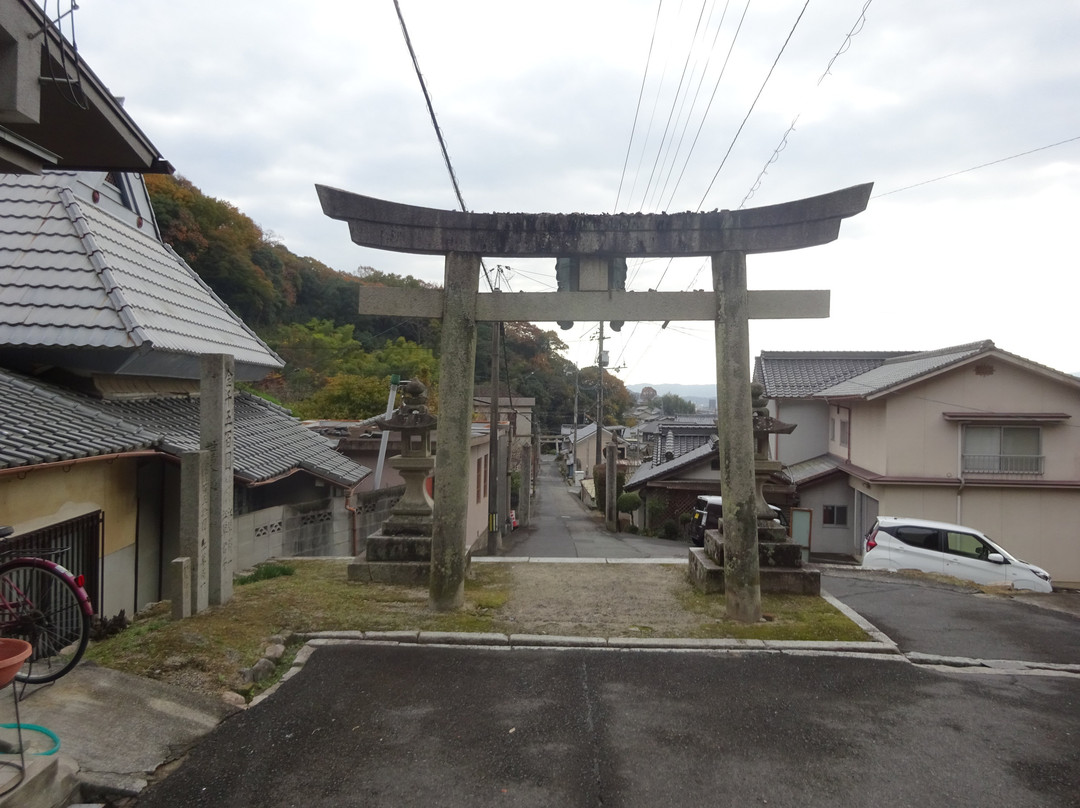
(562, 527)
(927, 617)
(371, 725)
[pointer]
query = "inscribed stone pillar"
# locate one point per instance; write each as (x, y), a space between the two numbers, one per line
(736, 431)
(216, 416)
(611, 464)
(457, 346)
(194, 523)
(524, 508)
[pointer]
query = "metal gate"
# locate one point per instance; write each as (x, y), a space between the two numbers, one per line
(76, 544)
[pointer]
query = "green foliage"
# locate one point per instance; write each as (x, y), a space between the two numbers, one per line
(337, 360)
(672, 404)
(655, 508)
(628, 502)
(670, 529)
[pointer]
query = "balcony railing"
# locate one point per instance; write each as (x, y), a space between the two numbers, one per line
(1003, 464)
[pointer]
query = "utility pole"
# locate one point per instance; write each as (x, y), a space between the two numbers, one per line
(494, 529)
(600, 362)
(573, 466)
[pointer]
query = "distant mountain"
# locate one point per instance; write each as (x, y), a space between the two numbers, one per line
(700, 394)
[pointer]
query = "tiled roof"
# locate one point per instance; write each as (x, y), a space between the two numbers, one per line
(797, 374)
(813, 468)
(74, 276)
(39, 424)
(45, 424)
(657, 469)
(901, 369)
(267, 440)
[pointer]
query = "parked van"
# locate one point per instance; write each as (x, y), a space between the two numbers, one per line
(709, 510)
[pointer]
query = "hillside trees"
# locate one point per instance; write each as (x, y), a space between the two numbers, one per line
(338, 361)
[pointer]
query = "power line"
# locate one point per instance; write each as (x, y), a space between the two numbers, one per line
(435, 124)
(976, 168)
(637, 110)
(753, 104)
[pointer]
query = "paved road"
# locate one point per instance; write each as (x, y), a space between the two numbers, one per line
(931, 618)
(425, 726)
(562, 527)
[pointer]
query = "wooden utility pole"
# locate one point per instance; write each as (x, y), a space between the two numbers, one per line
(494, 543)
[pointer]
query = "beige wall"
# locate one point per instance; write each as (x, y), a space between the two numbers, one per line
(921, 443)
(477, 518)
(47, 496)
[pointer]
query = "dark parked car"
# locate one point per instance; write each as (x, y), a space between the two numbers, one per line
(708, 511)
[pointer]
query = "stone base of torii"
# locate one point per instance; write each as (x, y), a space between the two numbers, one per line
(727, 237)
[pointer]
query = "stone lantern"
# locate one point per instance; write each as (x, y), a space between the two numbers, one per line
(400, 551)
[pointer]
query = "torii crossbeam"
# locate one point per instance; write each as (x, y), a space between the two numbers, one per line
(465, 238)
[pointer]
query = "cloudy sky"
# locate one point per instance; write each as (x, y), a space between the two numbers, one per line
(639, 105)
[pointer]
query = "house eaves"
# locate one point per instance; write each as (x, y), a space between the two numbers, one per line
(84, 290)
(55, 112)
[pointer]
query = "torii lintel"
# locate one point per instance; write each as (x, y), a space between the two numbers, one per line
(398, 227)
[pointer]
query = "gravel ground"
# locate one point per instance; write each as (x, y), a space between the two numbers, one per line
(608, 599)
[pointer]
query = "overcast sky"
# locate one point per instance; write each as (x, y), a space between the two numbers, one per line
(256, 102)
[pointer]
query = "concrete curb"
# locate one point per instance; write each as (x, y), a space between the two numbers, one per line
(671, 560)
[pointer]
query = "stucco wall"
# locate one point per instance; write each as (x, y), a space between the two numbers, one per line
(46, 496)
(831, 538)
(811, 435)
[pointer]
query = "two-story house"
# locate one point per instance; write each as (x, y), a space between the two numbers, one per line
(969, 434)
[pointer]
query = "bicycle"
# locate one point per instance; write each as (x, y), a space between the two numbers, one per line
(47, 606)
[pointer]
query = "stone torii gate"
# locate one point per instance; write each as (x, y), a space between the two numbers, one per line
(727, 237)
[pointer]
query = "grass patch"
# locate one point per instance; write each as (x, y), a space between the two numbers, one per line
(264, 572)
(787, 617)
(207, 651)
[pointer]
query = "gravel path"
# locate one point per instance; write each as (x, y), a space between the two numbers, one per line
(600, 600)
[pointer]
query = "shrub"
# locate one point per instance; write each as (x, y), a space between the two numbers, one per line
(628, 502)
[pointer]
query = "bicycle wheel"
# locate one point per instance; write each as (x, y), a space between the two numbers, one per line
(42, 607)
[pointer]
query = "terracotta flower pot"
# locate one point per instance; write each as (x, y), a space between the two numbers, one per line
(12, 655)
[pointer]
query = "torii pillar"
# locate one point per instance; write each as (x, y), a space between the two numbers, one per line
(727, 237)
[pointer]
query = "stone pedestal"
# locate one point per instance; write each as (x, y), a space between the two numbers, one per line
(779, 565)
(393, 560)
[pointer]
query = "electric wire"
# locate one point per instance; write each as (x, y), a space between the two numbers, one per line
(976, 168)
(637, 109)
(855, 30)
(708, 107)
(664, 139)
(694, 102)
(435, 124)
(753, 104)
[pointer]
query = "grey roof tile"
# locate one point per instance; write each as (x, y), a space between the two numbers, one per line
(901, 369)
(654, 470)
(41, 423)
(797, 374)
(268, 441)
(73, 275)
